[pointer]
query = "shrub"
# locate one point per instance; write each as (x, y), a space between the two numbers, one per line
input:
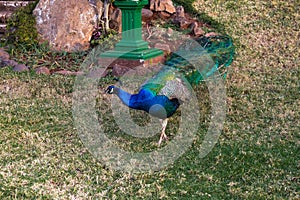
(21, 27)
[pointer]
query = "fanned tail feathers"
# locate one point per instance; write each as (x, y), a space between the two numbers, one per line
(199, 60)
(194, 61)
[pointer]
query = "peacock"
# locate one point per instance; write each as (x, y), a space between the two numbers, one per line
(195, 61)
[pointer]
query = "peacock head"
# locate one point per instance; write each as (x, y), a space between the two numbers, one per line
(110, 89)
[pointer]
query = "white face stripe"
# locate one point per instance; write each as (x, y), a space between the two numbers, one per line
(112, 90)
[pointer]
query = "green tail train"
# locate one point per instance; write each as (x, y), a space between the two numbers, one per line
(195, 60)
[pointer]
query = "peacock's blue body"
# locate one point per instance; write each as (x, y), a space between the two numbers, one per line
(192, 63)
(159, 106)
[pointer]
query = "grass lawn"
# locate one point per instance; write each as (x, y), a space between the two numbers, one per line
(257, 155)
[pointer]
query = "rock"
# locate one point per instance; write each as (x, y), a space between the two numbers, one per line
(3, 54)
(196, 30)
(164, 47)
(4, 63)
(153, 4)
(180, 11)
(146, 14)
(182, 22)
(67, 26)
(67, 72)
(43, 70)
(20, 68)
(162, 5)
(169, 7)
(164, 15)
(152, 63)
(115, 26)
(4, 59)
(116, 20)
(180, 18)
(211, 34)
(11, 63)
(119, 70)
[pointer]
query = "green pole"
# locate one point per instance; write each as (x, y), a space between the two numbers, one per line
(132, 45)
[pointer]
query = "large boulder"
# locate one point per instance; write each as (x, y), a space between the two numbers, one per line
(67, 25)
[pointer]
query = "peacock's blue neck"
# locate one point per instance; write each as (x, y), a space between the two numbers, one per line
(133, 100)
(124, 96)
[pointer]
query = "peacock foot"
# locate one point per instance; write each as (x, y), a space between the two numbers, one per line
(163, 137)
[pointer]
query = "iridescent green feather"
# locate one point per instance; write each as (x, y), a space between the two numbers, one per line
(156, 83)
(195, 61)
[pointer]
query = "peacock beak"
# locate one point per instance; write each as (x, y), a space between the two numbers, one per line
(107, 91)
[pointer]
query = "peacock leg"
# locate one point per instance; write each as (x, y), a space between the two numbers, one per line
(163, 135)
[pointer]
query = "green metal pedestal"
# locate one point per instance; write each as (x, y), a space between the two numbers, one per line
(132, 45)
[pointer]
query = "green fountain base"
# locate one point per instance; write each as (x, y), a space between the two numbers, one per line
(132, 46)
(145, 54)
